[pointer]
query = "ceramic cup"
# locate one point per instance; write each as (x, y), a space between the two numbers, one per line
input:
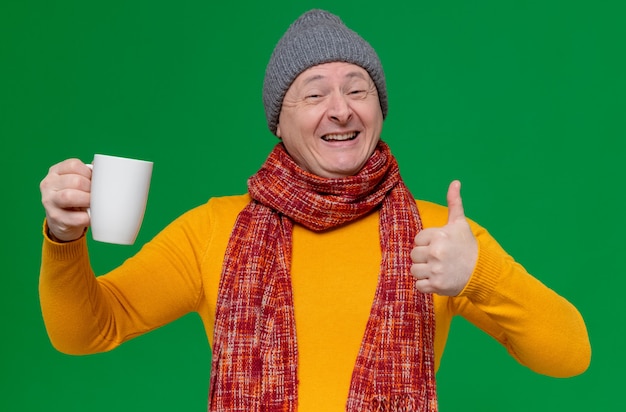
(119, 193)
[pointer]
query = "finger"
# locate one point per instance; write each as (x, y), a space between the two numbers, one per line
(455, 204)
(73, 182)
(65, 191)
(64, 220)
(71, 166)
(424, 286)
(419, 254)
(425, 237)
(72, 199)
(420, 271)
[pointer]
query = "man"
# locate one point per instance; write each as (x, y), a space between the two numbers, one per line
(327, 286)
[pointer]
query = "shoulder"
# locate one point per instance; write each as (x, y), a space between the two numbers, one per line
(228, 204)
(432, 214)
(217, 211)
(436, 215)
(199, 225)
(218, 208)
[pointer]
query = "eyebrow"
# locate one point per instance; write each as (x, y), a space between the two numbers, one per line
(349, 75)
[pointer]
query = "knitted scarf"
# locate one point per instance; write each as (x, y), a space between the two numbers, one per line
(255, 354)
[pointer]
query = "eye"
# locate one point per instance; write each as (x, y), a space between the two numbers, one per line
(313, 97)
(357, 93)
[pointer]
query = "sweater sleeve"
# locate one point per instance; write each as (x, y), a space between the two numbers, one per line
(538, 327)
(84, 313)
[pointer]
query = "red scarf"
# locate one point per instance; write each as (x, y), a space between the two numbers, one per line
(255, 354)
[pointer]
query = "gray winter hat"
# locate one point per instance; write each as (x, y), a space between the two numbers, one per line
(314, 38)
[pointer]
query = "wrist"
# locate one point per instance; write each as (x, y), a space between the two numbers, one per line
(51, 236)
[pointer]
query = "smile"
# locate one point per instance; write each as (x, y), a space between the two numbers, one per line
(340, 137)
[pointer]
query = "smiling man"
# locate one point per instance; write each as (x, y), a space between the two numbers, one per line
(331, 119)
(327, 286)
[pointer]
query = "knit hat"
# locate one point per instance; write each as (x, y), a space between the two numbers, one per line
(314, 38)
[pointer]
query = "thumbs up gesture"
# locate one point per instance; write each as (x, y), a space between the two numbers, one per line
(444, 257)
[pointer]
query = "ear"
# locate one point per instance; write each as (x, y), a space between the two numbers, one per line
(278, 133)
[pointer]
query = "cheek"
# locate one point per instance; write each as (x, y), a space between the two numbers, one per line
(373, 113)
(295, 121)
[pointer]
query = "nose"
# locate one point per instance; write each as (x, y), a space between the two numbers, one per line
(339, 109)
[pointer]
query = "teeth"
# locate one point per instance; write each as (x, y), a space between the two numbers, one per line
(340, 137)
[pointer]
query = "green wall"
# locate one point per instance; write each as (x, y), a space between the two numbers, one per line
(521, 100)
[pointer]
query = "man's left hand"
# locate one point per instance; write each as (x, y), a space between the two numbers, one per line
(444, 257)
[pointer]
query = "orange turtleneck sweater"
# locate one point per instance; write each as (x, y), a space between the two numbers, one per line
(178, 272)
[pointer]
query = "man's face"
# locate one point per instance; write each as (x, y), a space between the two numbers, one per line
(331, 120)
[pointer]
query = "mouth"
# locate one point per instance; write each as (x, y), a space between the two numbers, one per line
(340, 137)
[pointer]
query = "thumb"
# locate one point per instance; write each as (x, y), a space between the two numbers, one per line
(455, 204)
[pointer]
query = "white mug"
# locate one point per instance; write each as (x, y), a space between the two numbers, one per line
(119, 193)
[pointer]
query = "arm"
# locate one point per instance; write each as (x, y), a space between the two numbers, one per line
(539, 328)
(87, 314)
(455, 257)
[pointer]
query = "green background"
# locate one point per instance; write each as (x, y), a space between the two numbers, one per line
(524, 101)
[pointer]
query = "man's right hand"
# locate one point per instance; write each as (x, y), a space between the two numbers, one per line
(65, 194)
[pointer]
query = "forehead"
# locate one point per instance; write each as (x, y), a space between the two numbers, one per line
(331, 71)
